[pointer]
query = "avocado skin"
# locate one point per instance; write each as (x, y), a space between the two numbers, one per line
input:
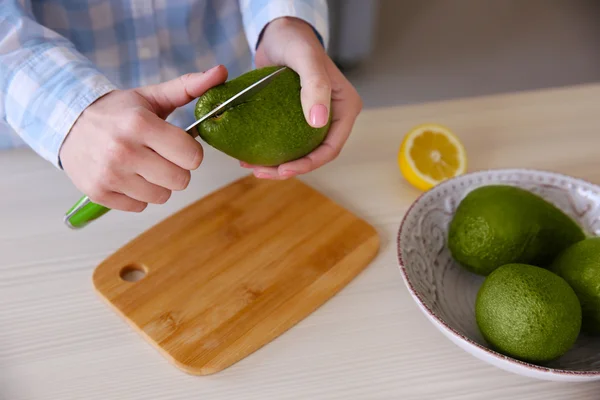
(504, 224)
(269, 129)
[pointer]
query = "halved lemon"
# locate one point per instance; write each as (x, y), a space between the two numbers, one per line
(430, 154)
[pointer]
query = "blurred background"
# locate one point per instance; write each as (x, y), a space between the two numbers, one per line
(400, 52)
(411, 51)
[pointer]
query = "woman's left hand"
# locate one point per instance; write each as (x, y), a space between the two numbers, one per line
(293, 43)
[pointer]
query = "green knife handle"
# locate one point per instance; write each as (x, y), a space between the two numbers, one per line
(84, 212)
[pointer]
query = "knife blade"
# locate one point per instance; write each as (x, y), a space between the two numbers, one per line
(85, 211)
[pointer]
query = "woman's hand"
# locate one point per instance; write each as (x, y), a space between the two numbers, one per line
(293, 43)
(123, 154)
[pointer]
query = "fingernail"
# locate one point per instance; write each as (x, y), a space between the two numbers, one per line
(318, 115)
(213, 68)
(288, 172)
(262, 175)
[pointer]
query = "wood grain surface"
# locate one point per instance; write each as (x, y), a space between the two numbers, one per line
(234, 270)
(59, 340)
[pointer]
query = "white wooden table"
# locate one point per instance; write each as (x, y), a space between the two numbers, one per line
(58, 340)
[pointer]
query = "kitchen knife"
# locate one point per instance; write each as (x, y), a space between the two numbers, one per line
(85, 211)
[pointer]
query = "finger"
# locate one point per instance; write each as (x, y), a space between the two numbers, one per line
(345, 109)
(264, 172)
(268, 173)
(325, 152)
(172, 143)
(167, 96)
(119, 201)
(315, 94)
(160, 171)
(140, 189)
(244, 164)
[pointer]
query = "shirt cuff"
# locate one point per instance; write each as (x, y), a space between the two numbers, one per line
(258, 13)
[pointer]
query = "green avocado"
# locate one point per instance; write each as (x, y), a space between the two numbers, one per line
(528, 312)
(502, 224)
(579, 265)
(269, 129)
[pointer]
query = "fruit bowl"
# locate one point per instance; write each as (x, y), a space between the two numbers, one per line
(446, 292)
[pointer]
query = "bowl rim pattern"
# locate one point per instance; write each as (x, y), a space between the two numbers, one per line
(417, 297)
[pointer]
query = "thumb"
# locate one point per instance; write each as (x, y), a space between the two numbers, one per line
(316, 89)
(167, 96)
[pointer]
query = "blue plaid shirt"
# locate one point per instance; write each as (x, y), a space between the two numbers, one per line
(58, 56)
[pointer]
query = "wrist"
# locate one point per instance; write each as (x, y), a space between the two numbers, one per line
(296, 25)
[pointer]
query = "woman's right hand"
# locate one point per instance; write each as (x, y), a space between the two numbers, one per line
(123, 154)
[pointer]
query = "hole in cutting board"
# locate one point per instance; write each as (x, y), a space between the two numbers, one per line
(132, 273)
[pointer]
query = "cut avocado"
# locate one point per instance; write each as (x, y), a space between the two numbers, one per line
(269, 129)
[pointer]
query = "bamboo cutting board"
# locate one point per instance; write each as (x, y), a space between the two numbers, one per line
(234, 270)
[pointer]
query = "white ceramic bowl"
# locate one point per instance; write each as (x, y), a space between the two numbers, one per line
(445, 292)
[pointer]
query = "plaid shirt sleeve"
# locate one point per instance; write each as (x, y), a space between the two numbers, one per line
(45, 83)
(256, 14)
